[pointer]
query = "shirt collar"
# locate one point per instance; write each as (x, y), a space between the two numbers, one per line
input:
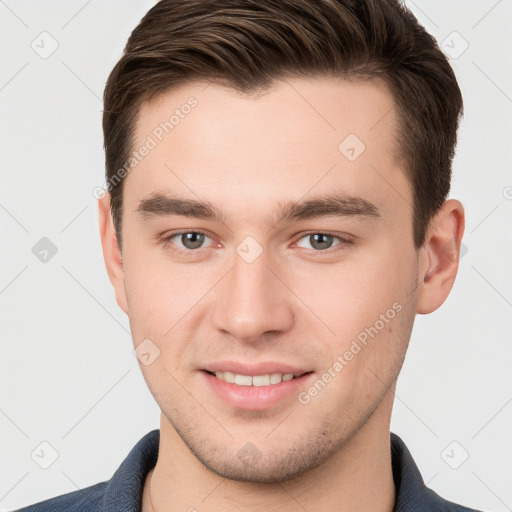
(124, 490)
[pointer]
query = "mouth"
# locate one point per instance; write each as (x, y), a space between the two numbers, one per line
(267, 379)
(255, 390)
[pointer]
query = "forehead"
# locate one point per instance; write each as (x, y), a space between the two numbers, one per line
(300, 135)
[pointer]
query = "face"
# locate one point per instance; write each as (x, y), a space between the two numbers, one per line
(266, 236)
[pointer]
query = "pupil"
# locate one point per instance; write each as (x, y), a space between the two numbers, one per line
(318, 243)
(192, 240)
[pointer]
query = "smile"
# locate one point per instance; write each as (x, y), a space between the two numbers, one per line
(254, 380)
(258, 391)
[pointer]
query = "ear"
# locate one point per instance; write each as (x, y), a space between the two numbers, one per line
(111, 252)
(439, 256)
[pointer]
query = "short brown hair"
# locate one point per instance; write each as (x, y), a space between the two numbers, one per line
(248, 44)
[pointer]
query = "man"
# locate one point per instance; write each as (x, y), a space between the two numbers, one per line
(276, 216)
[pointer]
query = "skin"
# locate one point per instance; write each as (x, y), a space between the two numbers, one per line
(295, 303)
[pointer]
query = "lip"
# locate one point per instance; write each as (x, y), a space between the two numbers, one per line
(262, 368)
(256, 398)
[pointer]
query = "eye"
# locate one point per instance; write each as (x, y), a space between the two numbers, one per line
(323, 241)
(187, 240)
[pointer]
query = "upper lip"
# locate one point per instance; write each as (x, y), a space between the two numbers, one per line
(262, 368)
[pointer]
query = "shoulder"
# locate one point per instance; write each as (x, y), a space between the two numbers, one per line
(88, 499)
(123, 492)
(412, 495)
(428, 500)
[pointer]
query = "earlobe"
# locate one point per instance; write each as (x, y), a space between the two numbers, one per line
(440, 256)
(111, 252)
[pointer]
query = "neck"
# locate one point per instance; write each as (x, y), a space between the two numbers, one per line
(357, 478)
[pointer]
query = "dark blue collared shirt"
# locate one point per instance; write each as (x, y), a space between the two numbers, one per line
(123, 492)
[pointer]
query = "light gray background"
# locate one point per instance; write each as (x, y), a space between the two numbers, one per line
(68, 374)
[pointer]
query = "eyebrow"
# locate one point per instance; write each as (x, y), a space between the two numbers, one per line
(334, 204)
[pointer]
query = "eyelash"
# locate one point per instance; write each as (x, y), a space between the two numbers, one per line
(343, 242)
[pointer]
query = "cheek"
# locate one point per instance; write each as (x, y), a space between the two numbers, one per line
(353, 293)
(151, 295)
(364, 302)
(164, 297)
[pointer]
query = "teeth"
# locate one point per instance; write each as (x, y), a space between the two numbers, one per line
(243, 380)
(275, 378)
(228, 377)
(260, 380)
(254, 380)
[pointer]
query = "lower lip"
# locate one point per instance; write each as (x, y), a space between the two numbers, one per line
(255, 398)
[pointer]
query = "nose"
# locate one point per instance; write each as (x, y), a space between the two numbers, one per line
(253, 301)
